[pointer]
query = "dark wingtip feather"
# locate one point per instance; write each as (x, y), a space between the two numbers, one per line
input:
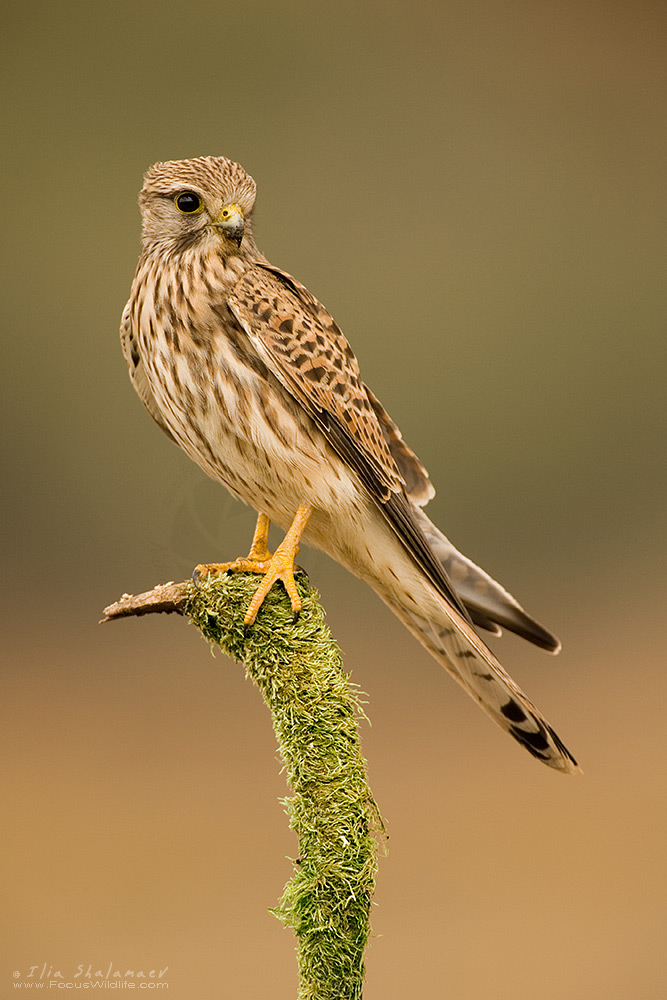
(530, 629)
(514, 619)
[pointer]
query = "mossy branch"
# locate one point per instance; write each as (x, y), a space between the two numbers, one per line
(298, 668)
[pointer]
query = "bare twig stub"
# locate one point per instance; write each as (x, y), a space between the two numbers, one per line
(166, 598)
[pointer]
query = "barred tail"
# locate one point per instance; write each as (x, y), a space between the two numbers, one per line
(455, 645)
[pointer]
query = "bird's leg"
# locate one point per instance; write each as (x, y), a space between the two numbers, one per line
(259, 548)
(279, 566)
(257, 560)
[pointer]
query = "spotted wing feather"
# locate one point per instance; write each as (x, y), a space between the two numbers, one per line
(415, 478)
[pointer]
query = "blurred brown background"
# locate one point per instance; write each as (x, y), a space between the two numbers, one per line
(476, 191)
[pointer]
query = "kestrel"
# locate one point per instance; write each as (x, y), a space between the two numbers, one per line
(244, 369)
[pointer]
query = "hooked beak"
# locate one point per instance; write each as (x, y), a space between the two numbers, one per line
(230, 222)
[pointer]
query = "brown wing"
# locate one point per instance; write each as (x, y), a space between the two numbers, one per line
(315, 362)
(416, 480)
(300, 342)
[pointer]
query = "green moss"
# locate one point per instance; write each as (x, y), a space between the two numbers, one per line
(298, 668)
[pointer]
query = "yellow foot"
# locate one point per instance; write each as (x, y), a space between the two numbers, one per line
(279, 566)
(257, 560)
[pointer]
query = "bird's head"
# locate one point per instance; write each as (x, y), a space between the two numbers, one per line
(205, 202)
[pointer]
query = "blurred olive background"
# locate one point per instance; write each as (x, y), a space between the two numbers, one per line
(476, 191)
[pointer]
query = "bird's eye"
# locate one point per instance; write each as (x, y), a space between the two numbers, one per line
(189, 203)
